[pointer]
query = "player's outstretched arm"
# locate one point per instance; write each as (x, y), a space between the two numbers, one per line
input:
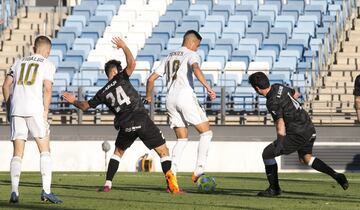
(200, 76)
(83, 105)
(119, 43)
(6, 93)
(150, 86)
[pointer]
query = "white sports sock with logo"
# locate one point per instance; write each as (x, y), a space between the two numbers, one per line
(15, 171)
(177, 154)
(203, 149)
(46, 172)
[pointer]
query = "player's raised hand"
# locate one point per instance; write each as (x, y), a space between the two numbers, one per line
(69, 97)
(118, 42)
(211, 93)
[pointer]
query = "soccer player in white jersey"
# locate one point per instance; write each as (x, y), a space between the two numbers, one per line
(27, 92)
(181, 102)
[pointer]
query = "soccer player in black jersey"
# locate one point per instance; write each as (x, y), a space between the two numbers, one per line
(295, 132)
(131, 118)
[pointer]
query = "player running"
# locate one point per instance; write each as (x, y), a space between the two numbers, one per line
(131, 118)
(295, 132)
(30, 79)
(181, 103)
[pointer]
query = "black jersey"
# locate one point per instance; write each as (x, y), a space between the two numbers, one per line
(281, 104)
(120, 97)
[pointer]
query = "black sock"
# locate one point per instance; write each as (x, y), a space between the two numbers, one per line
(319, 165)
(112, 169)
(166, 165)
(272, 176)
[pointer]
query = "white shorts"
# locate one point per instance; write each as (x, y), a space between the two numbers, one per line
(21, 127)
(184, 110)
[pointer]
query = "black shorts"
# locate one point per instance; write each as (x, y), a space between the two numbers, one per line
(140, 125)
(293, 143)
(357, 86)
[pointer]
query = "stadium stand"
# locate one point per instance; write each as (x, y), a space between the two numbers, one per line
(299, 43)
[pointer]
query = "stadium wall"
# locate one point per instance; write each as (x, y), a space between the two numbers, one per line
(234, 149)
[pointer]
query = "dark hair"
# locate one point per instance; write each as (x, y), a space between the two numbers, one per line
(40, 40)
(193, 32)
(112, 64)
(260, 80)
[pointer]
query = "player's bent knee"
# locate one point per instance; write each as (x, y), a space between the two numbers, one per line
(269, 152)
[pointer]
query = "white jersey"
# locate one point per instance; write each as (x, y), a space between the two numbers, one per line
(28, 75)
(177, 67)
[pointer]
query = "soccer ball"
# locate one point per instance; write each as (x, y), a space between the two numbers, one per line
(206, 184)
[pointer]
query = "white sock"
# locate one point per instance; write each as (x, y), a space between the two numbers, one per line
(15, 171)
(203, 148)
(177, 153)
(108, 183)
(46, 172)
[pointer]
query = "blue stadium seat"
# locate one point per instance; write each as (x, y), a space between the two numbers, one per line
(91, 65)
(205, 45)
(245, 10)
(56, 56)
(99, 21)
(83, 44)
(273, 44)
(164, 31)
(61, 78)
(218, 55)
(242, 55)
(208, 3)
(266, 56)
(211, 36)
(235, 38)
(155, 42)
(86, 10)
(75, 56)
(297, 45)
(237, 27)
(316, 10)
(61, 44)
(172, 16)
(68, 33)
(194, 20)
(78, 21)
(225, 44)
(92, 33)
(69, 67)
(223, 10)
(181, 6)
(106, 10)
(270, 11)
(174, 43)
(251, 45)
(211, 19)
(280, 34)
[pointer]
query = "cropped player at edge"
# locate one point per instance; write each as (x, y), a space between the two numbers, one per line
(181, 102)
(131, 118)
(31, 81)
(295, 132)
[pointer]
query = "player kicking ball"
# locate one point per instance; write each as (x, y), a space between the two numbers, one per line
(30, 79)
(295, 132)
(131, 118)
(181, 102)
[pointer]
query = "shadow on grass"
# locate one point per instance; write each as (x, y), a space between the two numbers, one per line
(34, 206)
(171, 203)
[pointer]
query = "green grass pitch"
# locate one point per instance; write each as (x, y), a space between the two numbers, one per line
(147, 191)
